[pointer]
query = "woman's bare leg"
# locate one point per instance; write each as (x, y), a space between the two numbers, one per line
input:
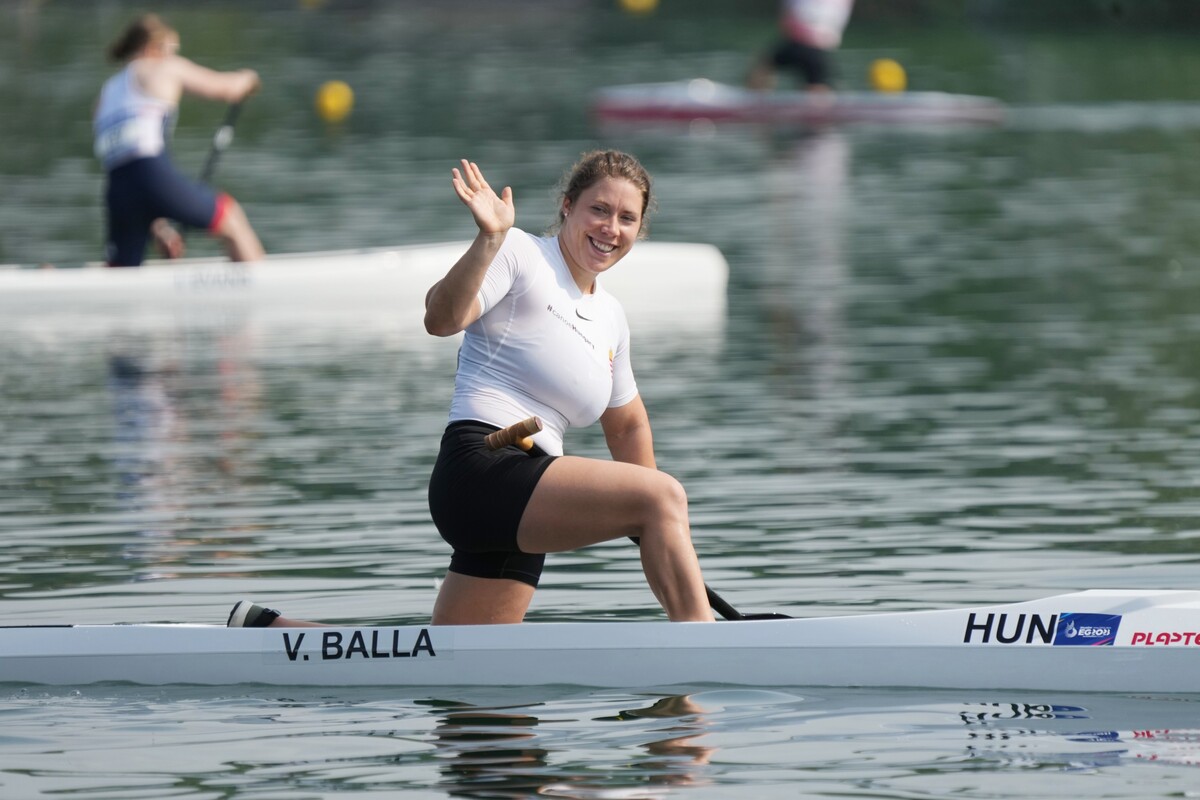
(762, 76)
(580, 502)
(287, 622)
(240, 239)
(167, 240)
(462, 600)
(583, 501)
(467, 600)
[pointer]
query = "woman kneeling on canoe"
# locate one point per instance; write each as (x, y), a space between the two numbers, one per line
(544, 339)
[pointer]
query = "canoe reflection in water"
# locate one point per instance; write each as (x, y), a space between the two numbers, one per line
(1045, 734)
(177, 433)
(487, 752)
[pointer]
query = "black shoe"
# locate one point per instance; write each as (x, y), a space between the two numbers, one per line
(247, 615)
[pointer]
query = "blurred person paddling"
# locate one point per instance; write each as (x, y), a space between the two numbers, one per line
(812, 29)
(133, 121)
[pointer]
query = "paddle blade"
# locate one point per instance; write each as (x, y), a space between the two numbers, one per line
(727, 611)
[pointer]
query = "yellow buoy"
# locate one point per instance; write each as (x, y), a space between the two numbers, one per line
(334, 101)
(887, 76)
(638, 6)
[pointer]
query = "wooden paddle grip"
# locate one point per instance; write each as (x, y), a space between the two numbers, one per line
(519, 433)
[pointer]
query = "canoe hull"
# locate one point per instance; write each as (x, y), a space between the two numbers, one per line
(1090, 641)
(381, 287)
(704, 100)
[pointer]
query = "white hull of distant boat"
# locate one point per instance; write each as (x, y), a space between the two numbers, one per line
(1111, 640)
(660, 284)
(703, 100)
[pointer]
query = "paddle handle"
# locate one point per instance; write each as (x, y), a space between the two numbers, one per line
(519, 433)
(221, 139)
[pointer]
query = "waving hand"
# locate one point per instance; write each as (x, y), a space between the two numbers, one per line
(493, 214)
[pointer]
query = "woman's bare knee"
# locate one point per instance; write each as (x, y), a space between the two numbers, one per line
(665, 504)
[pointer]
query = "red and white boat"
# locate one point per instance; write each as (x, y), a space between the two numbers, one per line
(701, 99)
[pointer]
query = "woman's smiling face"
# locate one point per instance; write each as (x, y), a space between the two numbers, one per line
(600, 227)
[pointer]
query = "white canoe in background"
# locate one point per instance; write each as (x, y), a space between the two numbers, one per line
(701, 99)
(1095, 641)
(662, 285)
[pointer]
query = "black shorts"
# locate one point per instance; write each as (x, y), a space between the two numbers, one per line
(811, 63)
(477, 498)
(144, 190)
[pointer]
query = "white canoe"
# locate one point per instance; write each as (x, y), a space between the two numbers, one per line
(1100, 640)
(701, 99)
(663, 285)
